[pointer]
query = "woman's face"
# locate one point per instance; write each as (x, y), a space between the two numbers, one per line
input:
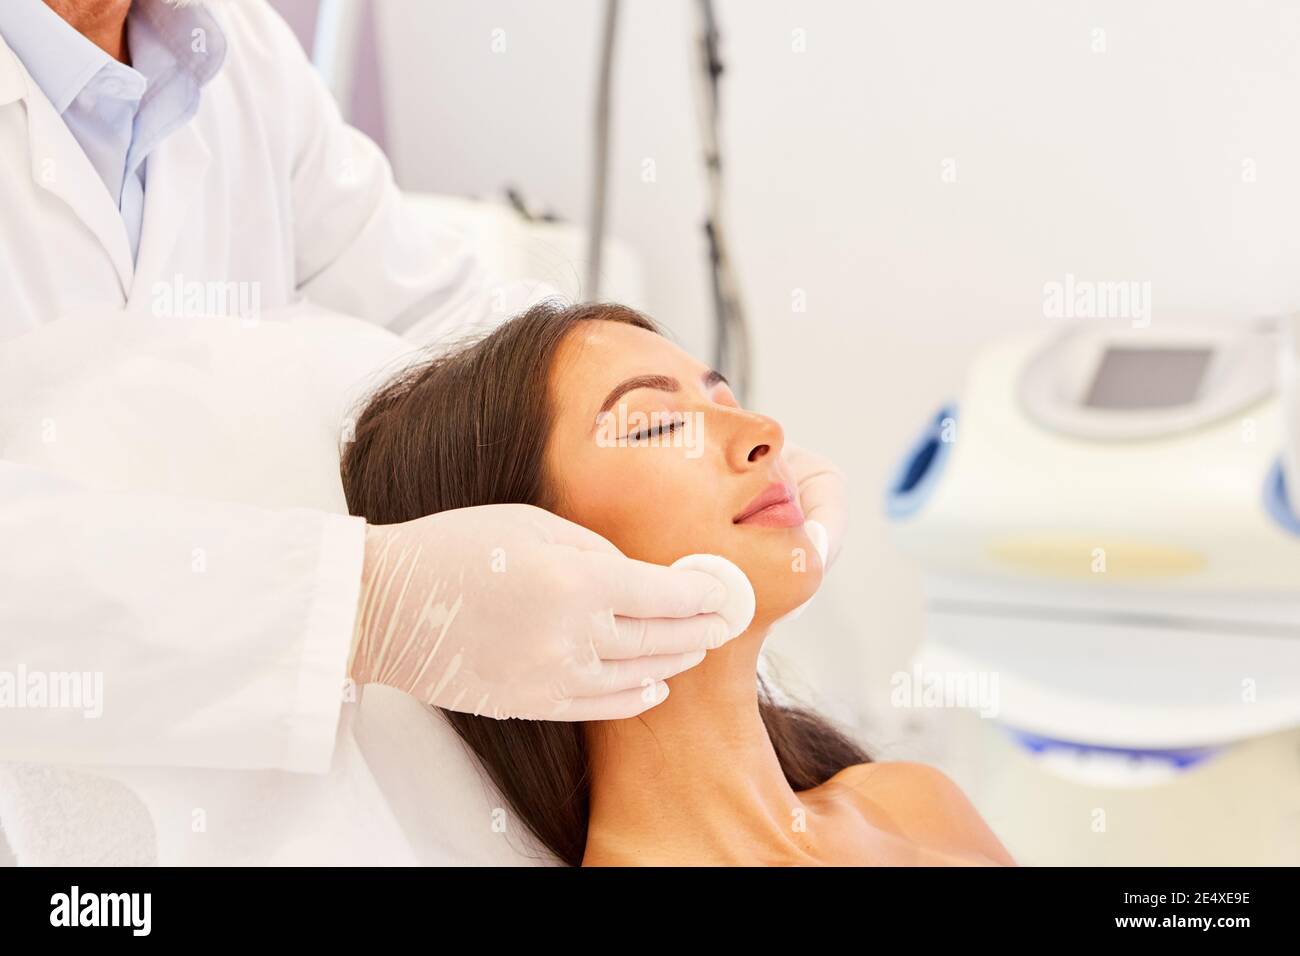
(650, 450)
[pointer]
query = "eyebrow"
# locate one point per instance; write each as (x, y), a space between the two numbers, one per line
(660, 383)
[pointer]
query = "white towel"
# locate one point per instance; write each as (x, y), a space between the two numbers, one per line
(58, 816)
(401, 791)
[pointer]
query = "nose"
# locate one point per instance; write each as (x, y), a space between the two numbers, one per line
(754, 439)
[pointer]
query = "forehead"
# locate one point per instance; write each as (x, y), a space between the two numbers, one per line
(596, 356)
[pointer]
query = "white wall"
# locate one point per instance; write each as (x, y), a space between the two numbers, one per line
(1122, 164)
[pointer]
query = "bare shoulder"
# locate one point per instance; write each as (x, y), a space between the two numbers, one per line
(891, 774)
(919, 784)
(921, 802)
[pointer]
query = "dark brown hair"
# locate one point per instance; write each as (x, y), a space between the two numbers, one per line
(467, 427)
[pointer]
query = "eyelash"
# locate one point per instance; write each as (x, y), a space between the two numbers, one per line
(655, 431)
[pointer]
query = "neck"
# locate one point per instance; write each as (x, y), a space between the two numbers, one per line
(102, 22)
(688, 777)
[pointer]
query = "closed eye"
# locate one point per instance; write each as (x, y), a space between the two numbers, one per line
(654, 431)
(663, 383)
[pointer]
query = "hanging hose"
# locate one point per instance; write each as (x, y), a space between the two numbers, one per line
(600, 174)
(731, 332)
(731, 347)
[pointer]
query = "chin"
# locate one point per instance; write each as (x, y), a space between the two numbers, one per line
(784, 569)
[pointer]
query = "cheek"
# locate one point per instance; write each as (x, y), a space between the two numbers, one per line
(653, 504)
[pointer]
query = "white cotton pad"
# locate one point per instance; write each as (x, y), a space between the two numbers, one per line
(738, 610)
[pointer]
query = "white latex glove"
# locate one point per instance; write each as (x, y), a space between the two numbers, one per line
(824, 497)
(511, 611)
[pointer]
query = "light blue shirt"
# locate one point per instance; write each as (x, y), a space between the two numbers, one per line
(118, 113)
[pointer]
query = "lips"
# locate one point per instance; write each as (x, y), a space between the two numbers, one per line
(776, 507)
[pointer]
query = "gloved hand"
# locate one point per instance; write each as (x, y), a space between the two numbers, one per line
(511, 611)
(824, 497)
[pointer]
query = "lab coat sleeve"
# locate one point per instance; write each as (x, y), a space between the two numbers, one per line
(359, 247)
(166, 631)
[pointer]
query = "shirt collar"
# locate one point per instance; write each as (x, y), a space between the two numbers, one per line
(169, 42)
(166, 43)
(59, 59)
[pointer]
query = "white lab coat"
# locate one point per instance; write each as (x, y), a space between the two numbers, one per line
(237, 672)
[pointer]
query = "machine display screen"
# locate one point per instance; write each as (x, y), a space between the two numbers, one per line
(1148, 378)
